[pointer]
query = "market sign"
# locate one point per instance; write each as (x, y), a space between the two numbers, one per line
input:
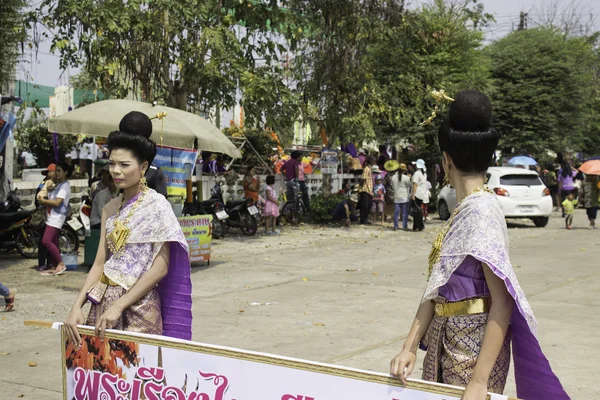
(197, 230)
(172, 161)
(133, 366)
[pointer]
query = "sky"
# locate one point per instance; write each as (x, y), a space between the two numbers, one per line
(45, 70)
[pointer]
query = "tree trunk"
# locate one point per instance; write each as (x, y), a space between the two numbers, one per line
(327, 185)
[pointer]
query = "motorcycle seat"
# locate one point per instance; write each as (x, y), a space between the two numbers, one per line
(234, 203)
(13, 217)
(209, 202)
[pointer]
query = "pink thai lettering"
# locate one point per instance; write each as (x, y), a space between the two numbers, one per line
(136, 389)
(218, 380)
(108, 382)
(147, 374)
(87, 384)
(296, 397)
(148, 385)
(152, 391)
(172, 393)
(123, 386)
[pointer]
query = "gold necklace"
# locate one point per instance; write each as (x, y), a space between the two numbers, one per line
(120, 234)
(436, 249)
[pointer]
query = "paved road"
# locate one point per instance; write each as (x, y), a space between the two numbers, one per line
(363, 287)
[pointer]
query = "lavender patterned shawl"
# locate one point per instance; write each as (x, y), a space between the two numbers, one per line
(154, 223)
(479, 230)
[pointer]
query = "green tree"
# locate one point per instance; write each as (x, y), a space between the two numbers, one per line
(32, 134)
(437, 46)
(12, 33)
(188, 54)
(544, 90)
(330, 71)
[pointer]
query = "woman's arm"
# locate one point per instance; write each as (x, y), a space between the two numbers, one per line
(52, 203)
(402, 365)
(493, 337)
(76, 315)
(254, 186)
(148, 281)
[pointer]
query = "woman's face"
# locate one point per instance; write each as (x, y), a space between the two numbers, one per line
(59, 175)
(125, 169)
(252, 172)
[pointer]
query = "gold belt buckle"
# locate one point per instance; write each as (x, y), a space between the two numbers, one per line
(439, 309)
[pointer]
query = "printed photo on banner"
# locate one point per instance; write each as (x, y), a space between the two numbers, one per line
(197, 230)
(329, 161)
(172, 162)
(132, 366)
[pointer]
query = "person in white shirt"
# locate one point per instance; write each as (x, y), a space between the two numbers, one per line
(83, 157)
(57, 205)
(426, 199)
(419, 181)
(401, 185)
(101, 199)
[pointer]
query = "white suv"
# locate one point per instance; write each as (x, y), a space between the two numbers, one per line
(521, 192)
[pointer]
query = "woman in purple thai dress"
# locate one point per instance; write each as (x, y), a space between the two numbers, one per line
(473, 307)
(140, 280)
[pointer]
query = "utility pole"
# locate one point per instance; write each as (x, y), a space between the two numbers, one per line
(522, 21)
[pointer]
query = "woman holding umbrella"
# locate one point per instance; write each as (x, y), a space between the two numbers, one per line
(591, 189)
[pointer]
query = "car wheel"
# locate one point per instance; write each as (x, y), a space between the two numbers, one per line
(541, 222)
(443, 210)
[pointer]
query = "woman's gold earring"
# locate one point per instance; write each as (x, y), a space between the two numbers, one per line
(446, 180)
(143, 181)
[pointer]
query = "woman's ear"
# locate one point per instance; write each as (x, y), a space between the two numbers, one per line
(447, 161)
(145, 166)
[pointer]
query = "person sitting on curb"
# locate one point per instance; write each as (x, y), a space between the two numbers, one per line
(345, 210)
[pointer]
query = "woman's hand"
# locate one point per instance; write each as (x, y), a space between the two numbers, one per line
(108, 320)
(475, 391)
(75, 318)
(402, 365)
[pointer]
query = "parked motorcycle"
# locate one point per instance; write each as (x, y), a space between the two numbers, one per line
(294, 210)
(15, 229)
(240, 213)
(78, 226)
(213, 206)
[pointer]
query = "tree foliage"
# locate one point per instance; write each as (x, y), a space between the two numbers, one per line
(435, 47)
(544, 92)
(188, 54)
(32, 134)
(12, 34)
(330, 66)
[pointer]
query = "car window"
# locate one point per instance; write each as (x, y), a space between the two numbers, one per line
(520, 180)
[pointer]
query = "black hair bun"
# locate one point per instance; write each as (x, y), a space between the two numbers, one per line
(471, 111)
(136, 123)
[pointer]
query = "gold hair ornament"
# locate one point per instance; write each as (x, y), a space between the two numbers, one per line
(439, 96)
(161, 115)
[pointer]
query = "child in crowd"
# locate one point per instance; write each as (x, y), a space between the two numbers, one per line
(378, 199)
(425, 205)
(569, 207)
(271, 211)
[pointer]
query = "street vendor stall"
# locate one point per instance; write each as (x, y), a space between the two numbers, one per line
(172, 127)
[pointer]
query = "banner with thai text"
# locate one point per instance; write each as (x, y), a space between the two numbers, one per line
(197, 230)
(172, 161)
(130, 366)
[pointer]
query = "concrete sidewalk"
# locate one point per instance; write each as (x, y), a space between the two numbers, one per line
(342, 296)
